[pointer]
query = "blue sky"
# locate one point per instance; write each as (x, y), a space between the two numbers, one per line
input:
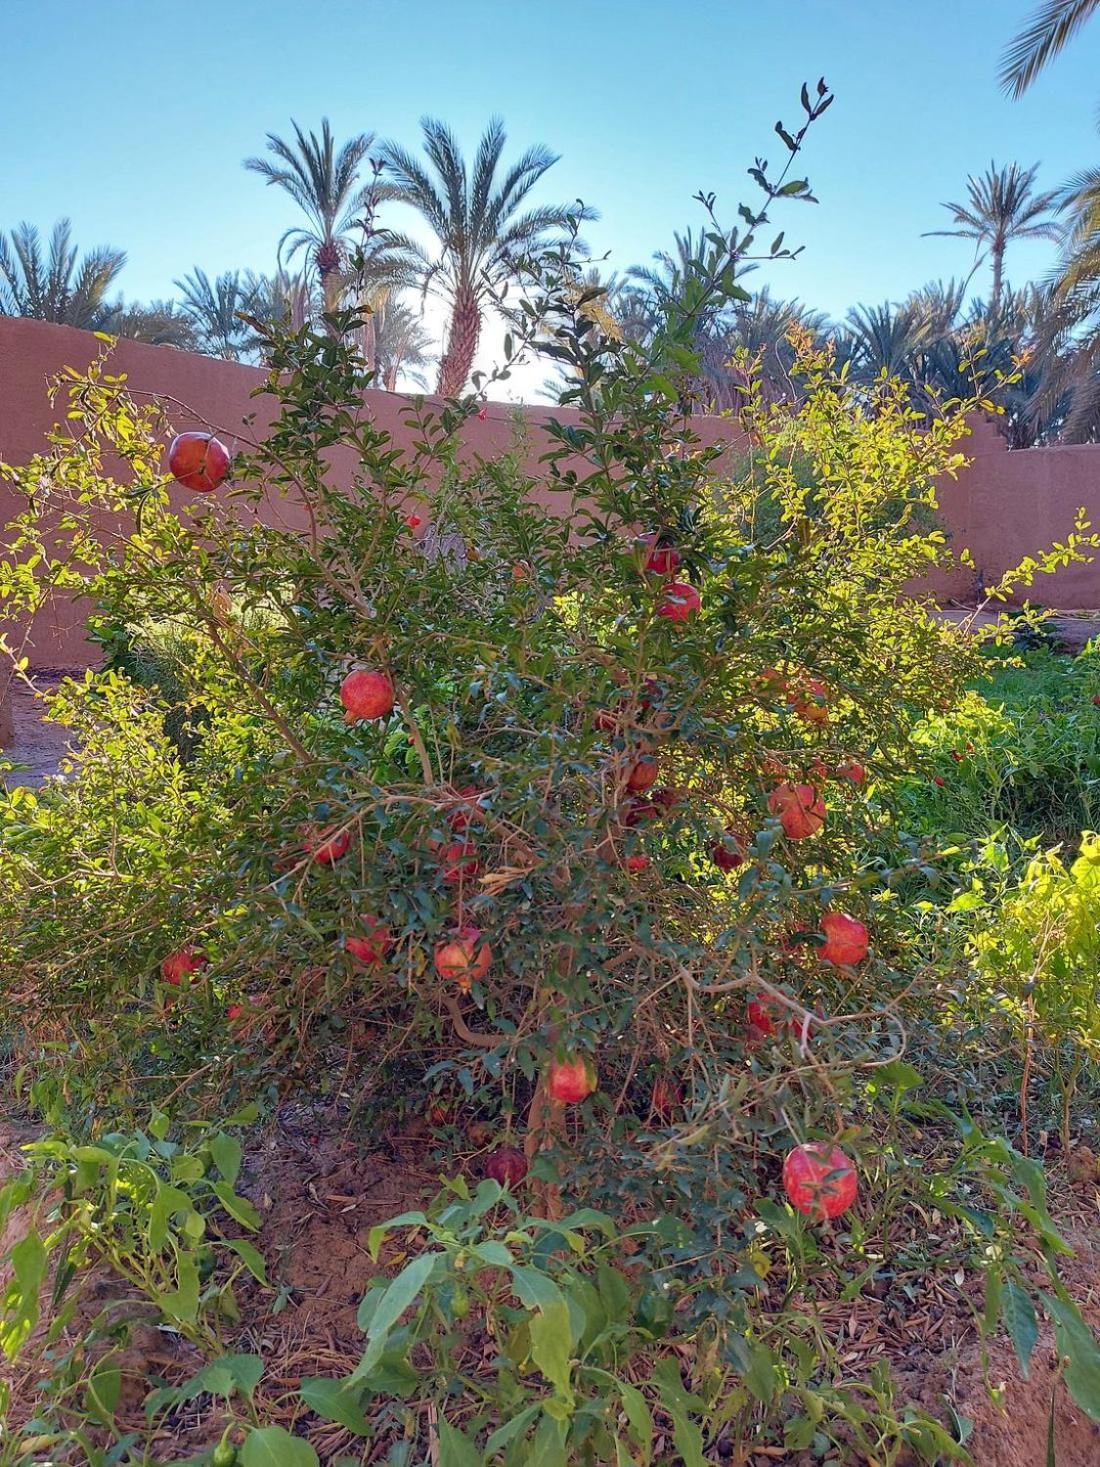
(133, 117)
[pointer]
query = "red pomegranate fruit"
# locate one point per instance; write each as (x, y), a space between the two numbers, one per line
(373, 947)
(234, 1012)
(819, 1180)
(506, 1165)
(679, 601)
(328, 845)
(642, 774)
(366, 695)
(662, 559)
(846, 942)
(729, 852)
(636, 863)
(808, 699)
(458, 862)
(413, 521)
(198, 461)
(800, 808)
(851, 770)
(181, 964)
(463, 956)
(638, 810)
(466, 808)
(572, 1080)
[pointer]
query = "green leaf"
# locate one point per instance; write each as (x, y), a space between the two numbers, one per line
(510, 1430)
(183, 1304)
(237, 1207)
(1019, 1318)
(551, 1346)
(535, 1289)
(1078, 1344)
(399, 1295)
(333, 1400)
(250, 1256)
(226, 1151)
(273, 1446)
(639, 1418)
(456, 1449)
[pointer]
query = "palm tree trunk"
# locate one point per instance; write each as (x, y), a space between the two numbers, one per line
(998, 253)
(462, 339)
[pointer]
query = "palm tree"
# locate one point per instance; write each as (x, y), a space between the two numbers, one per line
(1002, 206)
(56, 285)
(1049, 30)
(214, 308)
(324, 182)
(756, 340)
(477, 220)
(160, 323)
(886, 339)
(401, 344)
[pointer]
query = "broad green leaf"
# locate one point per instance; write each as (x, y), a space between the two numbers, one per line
(536, 1290)
(551, 1346)
(1078, 1344)
(183, 1304)
(398, 1296)
(226, 1151)
(237, 1207)
(273, 1446)
(250, 1256)
(639, 1418)
(510, 1430)
(333, 1400)
(456, 1449)
(1019, 1318)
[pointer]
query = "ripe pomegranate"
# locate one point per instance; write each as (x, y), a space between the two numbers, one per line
(846, 941)
(572, 1080)
(328, 845)
(638, 810)
(679, 601)
(772, 682)
(939, 779)
(1096, 699)
(181, 964)
(372, 948)
(851, 770)
(819, 1180)
(666, 1099)
(366, 695)
(807, 700)
(642, 774)
(663, 559)
(636, 863)
(729, 852)
(466, 807)
(800, 808)
(458, 861)
(766, 1015)
(234, 1012)
(506, 1165)
(198, 461)
(463, 956)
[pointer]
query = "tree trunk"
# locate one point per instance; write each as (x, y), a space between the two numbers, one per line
(998, 252)
(462, 338)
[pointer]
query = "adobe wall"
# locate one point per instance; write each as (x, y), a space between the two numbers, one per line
(1005, 506)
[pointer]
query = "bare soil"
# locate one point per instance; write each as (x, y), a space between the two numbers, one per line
(320, 1198)
(37, 747)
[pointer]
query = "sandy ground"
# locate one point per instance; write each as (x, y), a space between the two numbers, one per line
(38, 747)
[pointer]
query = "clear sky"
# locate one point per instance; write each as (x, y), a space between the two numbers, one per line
(133, 116)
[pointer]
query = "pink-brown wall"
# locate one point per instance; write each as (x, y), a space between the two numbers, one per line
(1005, 506)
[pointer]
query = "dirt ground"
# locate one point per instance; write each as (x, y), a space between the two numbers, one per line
(319, 1201)
(38, 747)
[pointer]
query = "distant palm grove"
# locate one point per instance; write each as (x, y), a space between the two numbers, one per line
(1034, 348)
